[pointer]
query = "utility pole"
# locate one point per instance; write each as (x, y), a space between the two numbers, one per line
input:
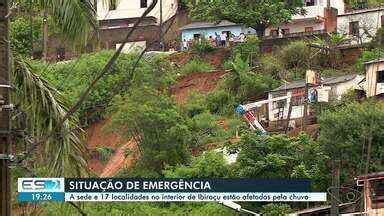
(305, 109)
(328, 3)
(335, 187)
(5, 126)
(161, 27)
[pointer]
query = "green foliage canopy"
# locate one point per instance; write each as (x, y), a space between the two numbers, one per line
(208, 165)
(344, 132)
(256, 14)
(278, 156)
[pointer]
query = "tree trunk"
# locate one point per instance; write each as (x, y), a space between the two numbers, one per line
(5, 124)
(260, 31)
(45, 36)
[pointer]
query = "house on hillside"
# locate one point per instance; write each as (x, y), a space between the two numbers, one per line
(332, 88)
(197, 30)
(358, 24)
(115, 20)
(372, 194)
(317, 20)
(374, 78)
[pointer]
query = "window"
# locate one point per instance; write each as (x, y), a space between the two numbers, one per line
(228, 33)
(297, 101)
(274, 32)
(377, 194)
(285, 31)
(279, 104)
(143, 3)
(354, 28)
(380, 76)
(196, 36)
(382, 21)
(309, 2)
(308, 29)
(112, 5)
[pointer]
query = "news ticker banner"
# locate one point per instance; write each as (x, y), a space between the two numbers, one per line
(165, 190)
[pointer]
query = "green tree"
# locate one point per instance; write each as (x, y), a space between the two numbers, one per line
(63, 151)
(208, 165)
(255, 14)
(20, 34)
(278, 209)
(346, 131)
(244, 84)
(156, 123)
(278, 156)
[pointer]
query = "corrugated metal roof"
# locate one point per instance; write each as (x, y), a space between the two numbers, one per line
(196, 25)
(326, 81)
(374, 61)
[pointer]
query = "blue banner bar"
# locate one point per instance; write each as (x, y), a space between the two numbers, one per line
(40, 196)
(186, 185)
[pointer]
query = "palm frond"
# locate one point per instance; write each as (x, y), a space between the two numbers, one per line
(75, 18)
(45, 107)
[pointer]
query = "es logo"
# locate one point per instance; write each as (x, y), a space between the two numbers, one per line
(40, 184)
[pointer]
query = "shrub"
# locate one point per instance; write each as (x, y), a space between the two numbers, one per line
(276, 209)
(105, 152)
(245, 84)
(20, 34)
(195, 65)
(221, 102)
(208, 165)
(195, 105)
(378, 39)
(202, 47)
(249, 49)
(368, 56)
(295, 55)
(71, 78)
(205, 129)
(270, 65)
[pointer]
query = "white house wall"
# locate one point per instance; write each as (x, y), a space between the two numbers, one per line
(297, 111)
(131, 9)
(187, 34)
(369, 22)
(298, 27)
(311, 12)
(343, 88)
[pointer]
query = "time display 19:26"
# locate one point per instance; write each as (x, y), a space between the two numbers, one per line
(39, 196)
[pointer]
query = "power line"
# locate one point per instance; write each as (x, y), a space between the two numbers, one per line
(87, 91)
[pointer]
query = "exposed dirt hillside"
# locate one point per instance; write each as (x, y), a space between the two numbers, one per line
(215, 58)
(120, 160)
(200, 82)
(97, 137)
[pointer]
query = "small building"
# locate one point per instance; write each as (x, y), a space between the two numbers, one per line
(373, 189)
(316, 20)
(372, 194)
(332, 88)
(116, 19)
(197, 30)
(374, 80)
(360, 25)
